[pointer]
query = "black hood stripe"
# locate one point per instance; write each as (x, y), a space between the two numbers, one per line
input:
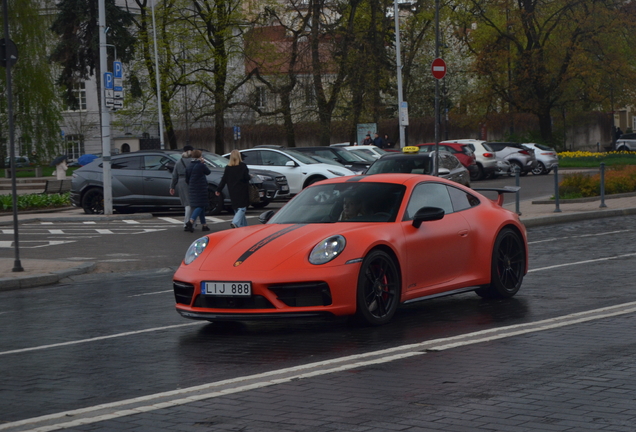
(265, 241)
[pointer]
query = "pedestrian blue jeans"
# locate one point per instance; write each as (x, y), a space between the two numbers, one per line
(199, 212)
(239, 217)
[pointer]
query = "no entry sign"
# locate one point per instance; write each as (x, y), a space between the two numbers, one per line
(438, 68)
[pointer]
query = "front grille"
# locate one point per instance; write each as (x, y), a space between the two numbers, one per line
(214, 302)
(183, 292)
(303, 294)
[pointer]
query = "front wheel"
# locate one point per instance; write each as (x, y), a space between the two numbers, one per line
(93, 201)
(378, 292)
(507, 266)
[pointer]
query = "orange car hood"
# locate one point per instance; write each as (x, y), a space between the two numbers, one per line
(265, 247)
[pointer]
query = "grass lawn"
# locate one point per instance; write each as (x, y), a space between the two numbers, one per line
(593, 160)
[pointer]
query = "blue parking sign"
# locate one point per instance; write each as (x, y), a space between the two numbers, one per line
(108, 80)
(117, 69)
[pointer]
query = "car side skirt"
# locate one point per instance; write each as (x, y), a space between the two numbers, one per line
(442, 294)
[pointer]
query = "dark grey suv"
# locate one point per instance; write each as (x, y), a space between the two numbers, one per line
(141, 181)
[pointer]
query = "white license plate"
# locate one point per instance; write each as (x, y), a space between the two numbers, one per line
(228, 289)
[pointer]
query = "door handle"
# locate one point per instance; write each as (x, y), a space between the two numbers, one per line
(463, 233)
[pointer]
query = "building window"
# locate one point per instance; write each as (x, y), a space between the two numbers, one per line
(79, 91)
(74, 146)
(261, 97)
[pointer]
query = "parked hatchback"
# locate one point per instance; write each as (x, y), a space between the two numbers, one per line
(140, 181)
(461, 151)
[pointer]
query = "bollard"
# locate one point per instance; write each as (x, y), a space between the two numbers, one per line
(602, 185)
(517, 174)
(556, 189)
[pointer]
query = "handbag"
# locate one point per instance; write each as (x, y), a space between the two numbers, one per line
(255, 196)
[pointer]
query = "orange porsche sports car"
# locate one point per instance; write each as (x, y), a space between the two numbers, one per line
(358, 245)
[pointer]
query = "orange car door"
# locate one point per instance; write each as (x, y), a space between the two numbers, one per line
(438, 251)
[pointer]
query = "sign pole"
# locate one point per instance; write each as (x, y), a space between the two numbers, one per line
(106, 172)
(17, 265)
(402, 108)
(436, 172)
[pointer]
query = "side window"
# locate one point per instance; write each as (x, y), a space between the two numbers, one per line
(446, 161)
(327, 154)
(274, 158)
(131, 163)
(462, 200)
(428, 195)
(251, 157)
(155, 162)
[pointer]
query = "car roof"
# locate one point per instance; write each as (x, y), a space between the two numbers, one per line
(398, 178)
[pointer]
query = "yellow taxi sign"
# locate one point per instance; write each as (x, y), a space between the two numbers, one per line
(411, 149)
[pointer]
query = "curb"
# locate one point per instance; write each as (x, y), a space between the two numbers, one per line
(573, 217)
(80, 218)
(36, 280)
(585, 200)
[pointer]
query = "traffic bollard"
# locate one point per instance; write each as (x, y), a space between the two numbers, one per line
(517, 174)
(556, 189)
(602, 185)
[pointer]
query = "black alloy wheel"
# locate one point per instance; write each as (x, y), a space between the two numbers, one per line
(378, 292)
(507, 267)
(93, 201)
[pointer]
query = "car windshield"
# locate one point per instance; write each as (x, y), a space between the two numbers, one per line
(215, 160)
(404, 164)
(343, 202)
(543, 147)
(361, 155)
(324, 159)
(348, 156)
(301, 157)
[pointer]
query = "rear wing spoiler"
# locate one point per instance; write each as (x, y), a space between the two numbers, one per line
(500, 192)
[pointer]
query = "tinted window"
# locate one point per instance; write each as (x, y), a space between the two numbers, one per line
(273, 158)
(428, 195)
(462, 200)
(252, 157)
(133, 162)
(155, 162)
(405, 164)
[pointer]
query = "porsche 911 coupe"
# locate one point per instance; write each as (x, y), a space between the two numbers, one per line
(358, 246)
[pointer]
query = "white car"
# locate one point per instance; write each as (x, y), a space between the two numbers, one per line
(485, 156)
(374, 151)
(547, 158)
(300, 169)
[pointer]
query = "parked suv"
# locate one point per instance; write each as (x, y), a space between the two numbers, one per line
(516, 154)
(547, 158)
(487, 165)
(140, 180)
(627, 142)
(299, 168)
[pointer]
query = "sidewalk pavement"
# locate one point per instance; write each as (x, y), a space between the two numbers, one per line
(44, 272)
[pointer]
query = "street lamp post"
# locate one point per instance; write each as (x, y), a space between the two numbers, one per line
(398, 62)
(154, 38)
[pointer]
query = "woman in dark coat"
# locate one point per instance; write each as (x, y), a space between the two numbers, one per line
(197, 190)
(237, 178)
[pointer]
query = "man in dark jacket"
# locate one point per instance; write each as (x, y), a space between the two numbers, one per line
(237, 178)
(197, 181)
(378, 141)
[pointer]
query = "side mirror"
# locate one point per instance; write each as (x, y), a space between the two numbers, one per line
(426, 214)
(443, 171)
(290, 164)
(266, 216)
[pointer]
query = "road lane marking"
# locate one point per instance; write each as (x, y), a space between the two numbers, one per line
(188, 395)
(98, 338)
(151, 293)
(104, 231)
(579, 236)
(582, 262)
(171, 220)
(87, 223)
(56, 231)
(129, 221)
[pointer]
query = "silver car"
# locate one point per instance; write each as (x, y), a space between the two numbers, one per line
(547, 158)
(516, 154)
(141, 180)
(486, 159)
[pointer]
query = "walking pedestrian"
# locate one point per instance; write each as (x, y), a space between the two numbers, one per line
(367, 140)
(179, 184)
(237, 178)
(197, 181)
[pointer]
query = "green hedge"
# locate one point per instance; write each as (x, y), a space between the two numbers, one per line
(35, 201)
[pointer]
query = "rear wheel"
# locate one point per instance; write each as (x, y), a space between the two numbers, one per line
(313, 180)
(539, 169)
(507, 266)
(378, 292)
(93, 201)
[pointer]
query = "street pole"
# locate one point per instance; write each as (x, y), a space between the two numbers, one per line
(398, 62)
(436, 90)
(17, 265)
(103, 68)
(154, 38)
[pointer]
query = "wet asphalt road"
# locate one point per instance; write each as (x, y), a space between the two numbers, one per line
(105, 337)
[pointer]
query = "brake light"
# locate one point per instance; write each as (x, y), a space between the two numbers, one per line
(525, 152)
(489, 154)
(548, 154)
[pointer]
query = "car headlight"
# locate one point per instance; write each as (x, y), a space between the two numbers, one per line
(264, 177)
(327, 250)
(338, 173)
(195, 250)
